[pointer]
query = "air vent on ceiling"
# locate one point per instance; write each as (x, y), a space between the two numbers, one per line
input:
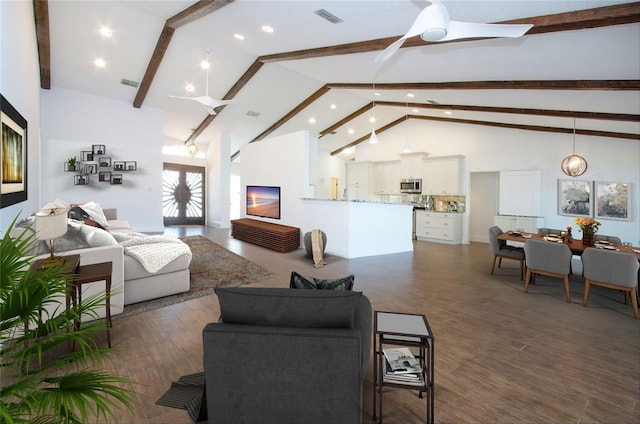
(328, 16)
(252, 113)
(333, 132)
(129, 83)
(433, 102)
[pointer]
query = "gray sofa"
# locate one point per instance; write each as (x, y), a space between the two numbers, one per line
(287, 356)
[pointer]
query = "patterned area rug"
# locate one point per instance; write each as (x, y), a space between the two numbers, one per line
(211, 266)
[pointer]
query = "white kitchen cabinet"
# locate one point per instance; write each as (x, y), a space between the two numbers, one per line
(412, 165)
(359, 180)
(386, 178)
(520, 193)
(529, 224)
(442, 175)
(439, 227)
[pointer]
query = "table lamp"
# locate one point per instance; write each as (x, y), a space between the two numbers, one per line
(51, 223)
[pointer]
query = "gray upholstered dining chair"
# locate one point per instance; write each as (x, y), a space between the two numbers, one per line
(501, 249)
(611, 239)
(614, 270)
(548, 258)
(547, 231)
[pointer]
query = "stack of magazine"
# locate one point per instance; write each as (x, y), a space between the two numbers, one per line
(401, 367)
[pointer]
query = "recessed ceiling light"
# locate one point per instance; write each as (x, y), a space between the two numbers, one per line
(333, 106)
(100, 63)
(372, 119)
(416, 110)
(448, 112)
(350, 131)
(411, 95)
(267, 29)
(189, 87)
(105, 31)
(312, 121)
(238, 36)
(376, 94)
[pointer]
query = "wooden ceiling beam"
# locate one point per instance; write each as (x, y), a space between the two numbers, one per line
(569, 21)
(363, 109)
(622, 117)
(190, 14)
(592, 85)
(306, 102)
(366, 137)
(595, 133)
(41, 17)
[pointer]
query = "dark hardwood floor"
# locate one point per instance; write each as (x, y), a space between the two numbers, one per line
(501, 355)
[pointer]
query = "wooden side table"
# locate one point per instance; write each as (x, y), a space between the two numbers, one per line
(91, 274)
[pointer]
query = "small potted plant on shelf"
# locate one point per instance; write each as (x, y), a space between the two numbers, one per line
(71, 163)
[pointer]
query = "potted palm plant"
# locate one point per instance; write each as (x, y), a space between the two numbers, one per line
(41, 381)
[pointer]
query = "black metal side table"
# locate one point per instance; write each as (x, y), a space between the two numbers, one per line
(400, 329)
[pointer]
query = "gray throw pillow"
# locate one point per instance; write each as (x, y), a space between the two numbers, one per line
(281, 307)
(301, 282)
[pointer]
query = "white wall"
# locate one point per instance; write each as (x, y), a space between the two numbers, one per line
(72, 122)
(219, 183)
(488, 149)
(280, 161)
(20, 85)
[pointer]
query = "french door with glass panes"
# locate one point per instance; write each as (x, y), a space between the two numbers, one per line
(183, 194)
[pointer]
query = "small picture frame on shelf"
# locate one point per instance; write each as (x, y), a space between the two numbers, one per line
(116, 178)
(104, 162)
(80, 179)
(131, 165)
(98, 149)
(119, 165)
(104, 176)
(91, 168)
(87, 155)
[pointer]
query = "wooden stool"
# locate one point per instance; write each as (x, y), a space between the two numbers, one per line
(91, 274)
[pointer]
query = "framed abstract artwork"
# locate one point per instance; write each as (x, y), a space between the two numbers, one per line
(575, 198)
(13, 155)
(612, 200)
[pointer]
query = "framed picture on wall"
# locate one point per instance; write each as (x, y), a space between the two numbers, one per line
(612, 200)
(13, 155)
(575, 198)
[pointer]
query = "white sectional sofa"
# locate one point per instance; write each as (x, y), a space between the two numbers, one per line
(130, 281)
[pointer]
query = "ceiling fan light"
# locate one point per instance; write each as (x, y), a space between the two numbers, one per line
(434, 34)
(574, 165)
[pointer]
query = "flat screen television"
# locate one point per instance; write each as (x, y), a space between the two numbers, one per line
(263, 201)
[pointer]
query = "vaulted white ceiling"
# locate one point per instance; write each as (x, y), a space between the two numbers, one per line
(606, 53)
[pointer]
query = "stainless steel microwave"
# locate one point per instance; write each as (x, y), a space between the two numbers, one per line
(411, 186)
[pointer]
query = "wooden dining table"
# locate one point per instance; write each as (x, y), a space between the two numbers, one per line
(575, 245)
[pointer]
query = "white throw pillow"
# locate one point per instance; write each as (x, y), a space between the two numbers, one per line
(95, 211)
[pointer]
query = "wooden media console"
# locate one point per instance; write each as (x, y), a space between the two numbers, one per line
(280, 238)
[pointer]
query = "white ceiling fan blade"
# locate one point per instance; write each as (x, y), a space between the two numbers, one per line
(210, 110)
(458, 30)
(211, 102)
(390, 50)
(424, 20)
(182, 97)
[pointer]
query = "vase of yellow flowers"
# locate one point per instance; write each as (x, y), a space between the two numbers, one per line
(589, 227)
